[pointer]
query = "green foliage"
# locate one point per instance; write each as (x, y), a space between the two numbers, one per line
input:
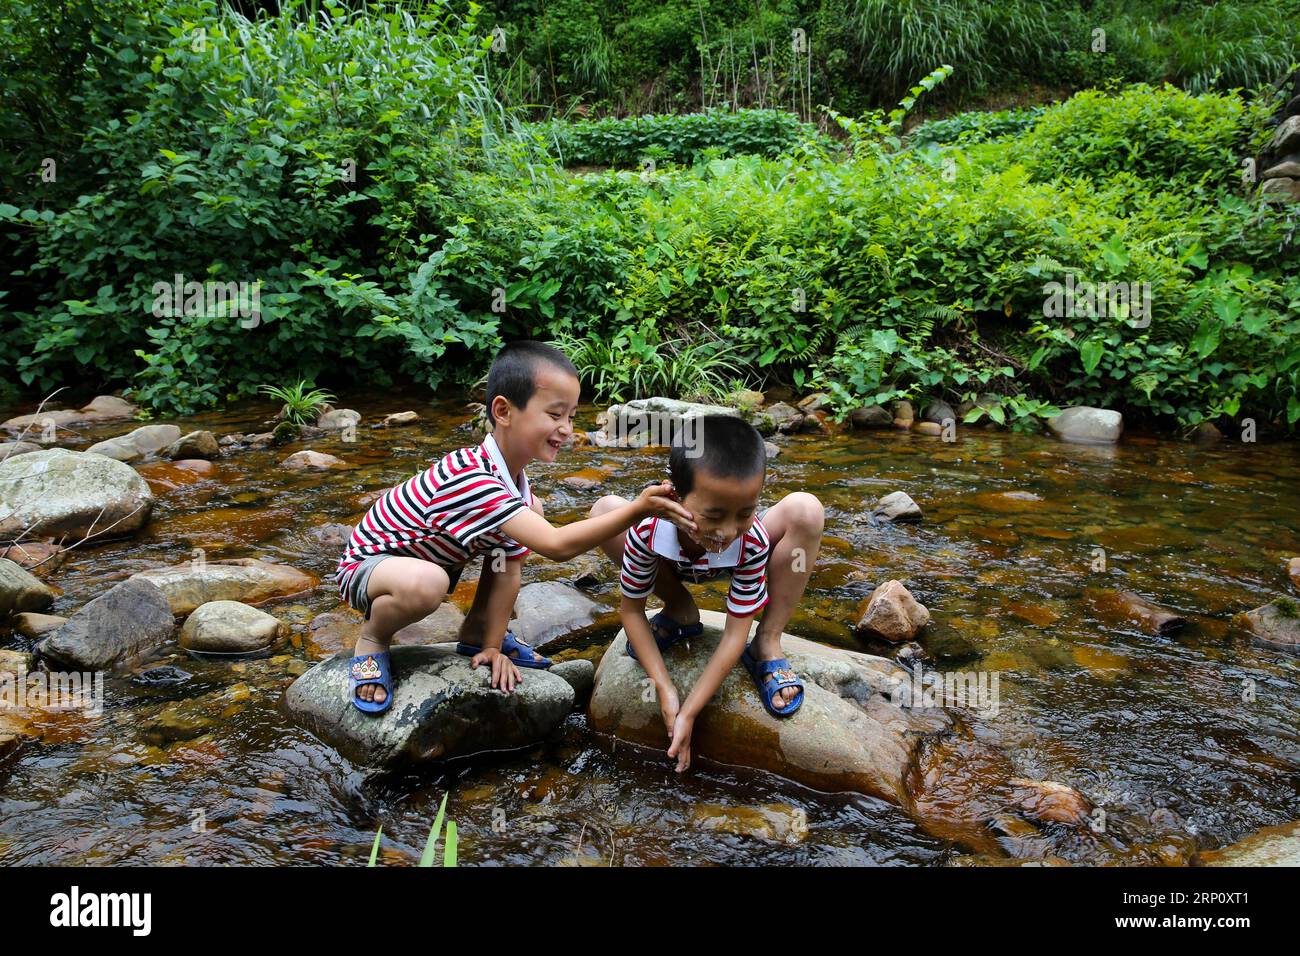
(1154, 133)
(639, 363)
(269, 151)
(975, 126)
(678, 138)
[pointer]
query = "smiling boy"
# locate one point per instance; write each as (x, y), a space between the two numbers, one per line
(407, 553)
(718, 466)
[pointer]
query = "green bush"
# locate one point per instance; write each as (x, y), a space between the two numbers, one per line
(1155, 133)
(677, 138)
(319, 158)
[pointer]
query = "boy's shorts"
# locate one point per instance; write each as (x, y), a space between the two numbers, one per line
(356, 594)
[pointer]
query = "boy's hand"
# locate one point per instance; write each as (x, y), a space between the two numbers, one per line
(661, 501)
(668, 706)
(681, 745)
(504, 672)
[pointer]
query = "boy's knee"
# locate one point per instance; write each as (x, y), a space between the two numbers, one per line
(427, 590)
(806, 511)
(606, 504)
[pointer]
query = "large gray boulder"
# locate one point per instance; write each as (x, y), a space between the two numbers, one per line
(247, 580)
(73, 494)
(442, 708)
(546, 610)
(1082, 423)
(117, 629)
(21, 591)
(851, 734)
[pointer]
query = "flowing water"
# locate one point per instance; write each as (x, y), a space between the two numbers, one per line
(1198, 728)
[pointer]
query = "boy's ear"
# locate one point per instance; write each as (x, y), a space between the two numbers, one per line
(501, 409)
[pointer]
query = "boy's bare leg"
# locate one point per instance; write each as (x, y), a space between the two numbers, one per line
(494, 599)
(794, 525)
(402, 591)
(678, 603)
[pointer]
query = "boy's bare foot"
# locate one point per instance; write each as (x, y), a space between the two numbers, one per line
(370, 692)
(768, 648)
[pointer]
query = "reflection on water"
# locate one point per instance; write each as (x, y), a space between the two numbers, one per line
(203, 768)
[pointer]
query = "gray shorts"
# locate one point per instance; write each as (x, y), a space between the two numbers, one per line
(357, 592)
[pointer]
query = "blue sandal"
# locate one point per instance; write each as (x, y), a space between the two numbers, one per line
(519, 652)
(785, 677)
(371, 669)
(668, 632)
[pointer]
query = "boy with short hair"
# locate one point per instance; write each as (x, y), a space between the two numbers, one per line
(718, 474)
(407, 553)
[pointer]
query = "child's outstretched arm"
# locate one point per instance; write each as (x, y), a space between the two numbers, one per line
(734, 635)
(560, 544)
(632, 612)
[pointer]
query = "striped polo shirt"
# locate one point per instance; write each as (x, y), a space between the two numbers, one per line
(446, 514)
(652, 539)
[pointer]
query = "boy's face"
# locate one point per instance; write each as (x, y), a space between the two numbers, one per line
(724, 508)
(546, 422)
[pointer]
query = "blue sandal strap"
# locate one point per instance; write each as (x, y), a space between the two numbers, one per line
(785, 677)
(371, 669)
(522, 654)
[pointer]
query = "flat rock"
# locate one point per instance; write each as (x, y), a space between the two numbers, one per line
(891, 613)
(247, 580)
(399, 418)
(847, 735)
(105, 408)
(145, 442)
(117, 629)
(229, 627)
(71, 493)
(442, 708)
(1082, 423)
(546, 610)
(21, 591)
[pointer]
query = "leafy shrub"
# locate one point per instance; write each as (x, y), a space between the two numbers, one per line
(975, 126)
(1156, 133)
(678, 138)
